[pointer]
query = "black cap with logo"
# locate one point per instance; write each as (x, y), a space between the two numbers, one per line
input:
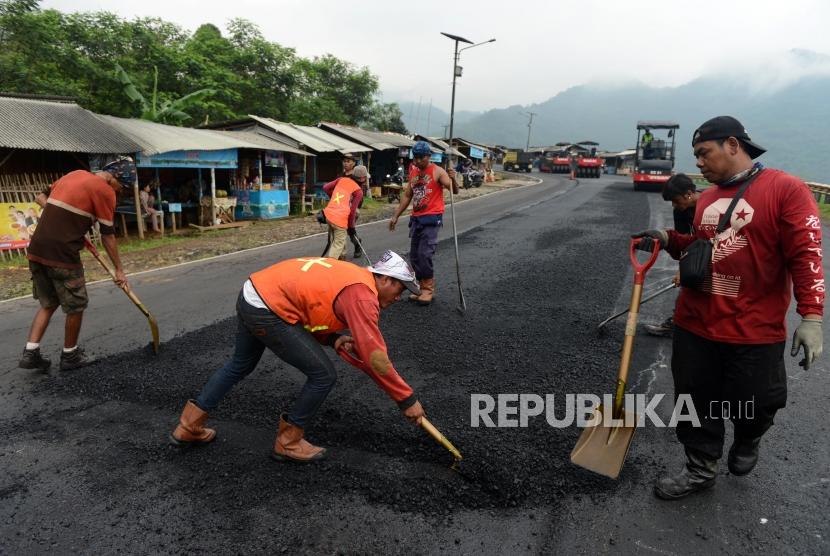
(722, 127)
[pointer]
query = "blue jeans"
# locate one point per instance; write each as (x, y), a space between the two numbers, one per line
(258, 329)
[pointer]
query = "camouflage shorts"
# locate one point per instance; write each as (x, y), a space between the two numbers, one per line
(54, 286)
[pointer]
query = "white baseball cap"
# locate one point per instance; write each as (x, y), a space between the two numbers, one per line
(393, 265)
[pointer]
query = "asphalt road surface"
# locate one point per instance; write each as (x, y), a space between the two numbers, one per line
(86, 467)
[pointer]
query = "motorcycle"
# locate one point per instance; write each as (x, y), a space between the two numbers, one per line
(393, 186)
(472, 178)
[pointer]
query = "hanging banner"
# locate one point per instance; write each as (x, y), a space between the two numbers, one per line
(475, 152)
(225, 158)
(17, 224)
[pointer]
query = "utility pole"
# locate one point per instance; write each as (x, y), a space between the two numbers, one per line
(529, 125)
(445, 126)
(429, 114)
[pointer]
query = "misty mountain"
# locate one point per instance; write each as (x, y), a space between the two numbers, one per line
(429, 120)
(783, 103)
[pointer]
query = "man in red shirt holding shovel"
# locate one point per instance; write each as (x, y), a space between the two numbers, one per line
(728, 346)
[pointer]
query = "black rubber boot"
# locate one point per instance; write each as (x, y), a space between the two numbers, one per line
(32, 359)
(698, 474)
(664, 329)
(743, 455)
(74, 360)
(357, 253)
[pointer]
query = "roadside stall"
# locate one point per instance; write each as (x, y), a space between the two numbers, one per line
(387, 147)
(197, 172)
(324, 150)
(270, 180)
(476, 153)
(41, 139)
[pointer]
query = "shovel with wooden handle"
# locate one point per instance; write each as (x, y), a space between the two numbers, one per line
(603, 445)
(154, 327)
(424, 424)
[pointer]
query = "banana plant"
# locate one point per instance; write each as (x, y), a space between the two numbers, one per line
(167, 111)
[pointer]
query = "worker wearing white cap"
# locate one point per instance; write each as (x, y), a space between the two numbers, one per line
(294, 308)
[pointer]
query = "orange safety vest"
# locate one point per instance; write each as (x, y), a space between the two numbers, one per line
(304, 290)
(339, 206)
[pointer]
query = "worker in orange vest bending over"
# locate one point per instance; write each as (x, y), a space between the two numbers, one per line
(294, 308)
(346, 194)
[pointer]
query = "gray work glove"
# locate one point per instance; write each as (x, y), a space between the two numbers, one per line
(808, 334)
(650, 236)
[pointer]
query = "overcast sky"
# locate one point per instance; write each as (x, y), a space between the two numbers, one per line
(541, 48)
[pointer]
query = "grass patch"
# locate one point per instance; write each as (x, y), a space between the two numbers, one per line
(17, 261)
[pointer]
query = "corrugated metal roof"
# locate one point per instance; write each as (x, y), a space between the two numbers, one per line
(442, 146)
(313, 138)
(160, 138)
(28, 123)
(266, 142)
(378, 140)
(471, 144)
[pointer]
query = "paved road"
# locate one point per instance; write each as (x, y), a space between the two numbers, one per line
(86, 467)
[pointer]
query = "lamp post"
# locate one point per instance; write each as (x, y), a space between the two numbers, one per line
(456, 72)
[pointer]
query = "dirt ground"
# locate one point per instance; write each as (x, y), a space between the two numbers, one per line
(190, 245)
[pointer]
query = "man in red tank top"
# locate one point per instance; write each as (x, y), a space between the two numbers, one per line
(294, 308)
(425, 189)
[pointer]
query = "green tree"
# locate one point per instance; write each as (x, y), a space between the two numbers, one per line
(341, 92)
(385, 117)
(48, 52)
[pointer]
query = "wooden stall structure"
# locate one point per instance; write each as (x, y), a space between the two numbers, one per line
(41, 139)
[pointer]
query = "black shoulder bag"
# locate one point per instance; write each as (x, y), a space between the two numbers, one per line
(696, 259)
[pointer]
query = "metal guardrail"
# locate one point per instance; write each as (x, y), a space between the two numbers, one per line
(820, 190)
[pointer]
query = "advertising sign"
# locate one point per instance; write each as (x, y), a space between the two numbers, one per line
(17, 224)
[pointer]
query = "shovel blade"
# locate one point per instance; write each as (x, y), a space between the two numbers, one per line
(602, 448)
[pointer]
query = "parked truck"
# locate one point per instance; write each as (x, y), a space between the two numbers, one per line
(517, 160)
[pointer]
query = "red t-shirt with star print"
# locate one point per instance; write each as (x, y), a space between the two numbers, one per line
(771, 247)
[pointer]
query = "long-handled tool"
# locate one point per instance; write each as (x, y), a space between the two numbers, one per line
(425, 424)
(462, 305)
(154, 327)
(442, 440)
(644, 300)
(362, 250)
(603, 446)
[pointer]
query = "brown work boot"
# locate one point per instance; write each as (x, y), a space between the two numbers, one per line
(32, 359)
(427, 291)
(290, 445)
(191, 429)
